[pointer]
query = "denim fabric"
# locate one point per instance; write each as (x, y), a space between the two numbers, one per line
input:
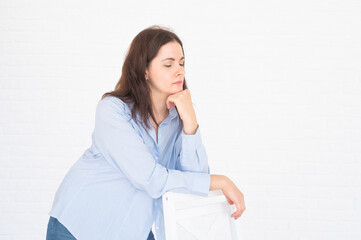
(57, 231)
(151, 236)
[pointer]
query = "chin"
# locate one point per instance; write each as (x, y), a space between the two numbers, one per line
(175, 89)
(179, 90)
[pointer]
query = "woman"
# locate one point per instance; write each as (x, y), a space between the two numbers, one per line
(146, 141)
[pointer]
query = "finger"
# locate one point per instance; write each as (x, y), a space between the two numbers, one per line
(238, 212)
(170, 102)
(243, 207)
(230, 202)
(170, 105)
(234, 214)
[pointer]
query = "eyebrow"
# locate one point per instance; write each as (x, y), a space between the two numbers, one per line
(171, 59)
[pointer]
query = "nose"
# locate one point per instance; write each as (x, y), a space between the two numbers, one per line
(180, 71)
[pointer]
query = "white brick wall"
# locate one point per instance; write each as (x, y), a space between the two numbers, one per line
(276, 87)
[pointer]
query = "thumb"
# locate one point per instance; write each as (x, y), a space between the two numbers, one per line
(229, 200)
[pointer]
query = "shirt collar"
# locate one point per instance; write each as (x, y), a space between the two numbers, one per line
(172, 113)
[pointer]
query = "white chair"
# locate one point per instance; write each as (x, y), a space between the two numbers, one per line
(194, 217)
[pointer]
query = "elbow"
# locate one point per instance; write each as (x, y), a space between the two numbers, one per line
(153, 189)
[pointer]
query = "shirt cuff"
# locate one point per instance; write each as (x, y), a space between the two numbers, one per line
(191, 141)
(201, 184)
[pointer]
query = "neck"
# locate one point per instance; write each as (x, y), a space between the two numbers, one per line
(159, 107)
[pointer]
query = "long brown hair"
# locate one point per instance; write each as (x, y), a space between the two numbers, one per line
(132, 86)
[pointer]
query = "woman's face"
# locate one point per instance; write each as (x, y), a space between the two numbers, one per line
(166, 69)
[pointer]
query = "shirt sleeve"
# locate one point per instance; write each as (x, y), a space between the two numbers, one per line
(192, 156)
(125, 149)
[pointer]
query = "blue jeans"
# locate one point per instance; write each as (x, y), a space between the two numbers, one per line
(57, 231)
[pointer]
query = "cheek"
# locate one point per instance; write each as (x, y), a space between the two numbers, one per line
(162, 81)
(165, 78)
(162, 78)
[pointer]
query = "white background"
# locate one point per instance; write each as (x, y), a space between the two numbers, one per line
(276, 86)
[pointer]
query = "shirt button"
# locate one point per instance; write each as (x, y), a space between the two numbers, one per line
(155, 204)
(156, 157)
(157, 227)
(160, 135)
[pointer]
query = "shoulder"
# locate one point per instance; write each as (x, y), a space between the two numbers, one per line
(114, 104)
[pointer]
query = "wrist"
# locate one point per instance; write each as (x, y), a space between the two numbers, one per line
(218, 182)
(225, 182)
(190, 129)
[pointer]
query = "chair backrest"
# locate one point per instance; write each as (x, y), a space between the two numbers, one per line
(194, 217)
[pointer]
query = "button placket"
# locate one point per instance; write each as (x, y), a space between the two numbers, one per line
(159, 134)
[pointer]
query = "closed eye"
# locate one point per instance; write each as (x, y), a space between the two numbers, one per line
(171, 65)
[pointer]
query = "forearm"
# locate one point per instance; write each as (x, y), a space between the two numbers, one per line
(218, 182)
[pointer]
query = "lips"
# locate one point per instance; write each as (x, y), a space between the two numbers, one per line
(177, 82)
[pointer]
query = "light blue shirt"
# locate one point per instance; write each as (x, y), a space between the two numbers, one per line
(114, 190)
